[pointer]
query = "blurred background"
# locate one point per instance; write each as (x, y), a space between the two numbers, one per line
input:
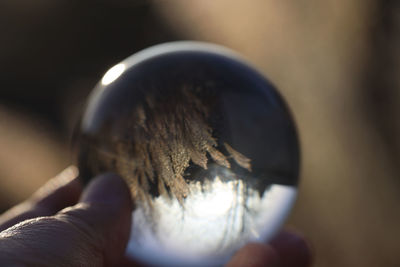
(336, 62)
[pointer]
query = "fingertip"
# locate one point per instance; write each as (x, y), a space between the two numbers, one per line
(61, 191)
(255, 255)
(293, 248)
(67, 179)
(108, 189)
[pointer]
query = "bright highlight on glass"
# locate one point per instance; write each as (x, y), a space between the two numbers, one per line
(113, 74)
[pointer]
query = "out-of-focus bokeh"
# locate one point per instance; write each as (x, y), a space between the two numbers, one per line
(336, 62)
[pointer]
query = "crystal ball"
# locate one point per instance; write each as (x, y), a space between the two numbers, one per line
(206, 145)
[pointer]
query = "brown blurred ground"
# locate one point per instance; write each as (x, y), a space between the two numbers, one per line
(337, 63)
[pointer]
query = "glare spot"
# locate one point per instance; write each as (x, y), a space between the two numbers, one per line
(113, 73)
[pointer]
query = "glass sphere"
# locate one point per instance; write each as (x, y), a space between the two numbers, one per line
(206, 145)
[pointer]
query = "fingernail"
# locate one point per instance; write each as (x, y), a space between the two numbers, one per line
(107, 189)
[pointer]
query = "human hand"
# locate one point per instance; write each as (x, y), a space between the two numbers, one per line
(62, 226)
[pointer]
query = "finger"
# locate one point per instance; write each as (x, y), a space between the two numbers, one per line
(288, 249)
(60, 192)
(254, 255)
(105, 214)
(127, 262)
(64, 189)
(94, 232)
(292, 249)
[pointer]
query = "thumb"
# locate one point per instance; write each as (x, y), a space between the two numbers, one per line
(94, 232)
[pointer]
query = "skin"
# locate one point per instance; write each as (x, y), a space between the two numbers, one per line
(64, 225)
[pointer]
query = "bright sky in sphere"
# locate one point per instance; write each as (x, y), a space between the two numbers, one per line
(215, 220)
